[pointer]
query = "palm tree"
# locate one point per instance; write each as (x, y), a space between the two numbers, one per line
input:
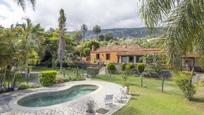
(11, 55)
(31, 35)
(51, 45)
(8, 54)
(62, 43)
(30, 39)
(97, 30)
(23, 4)
(84, 29)
(183, 21)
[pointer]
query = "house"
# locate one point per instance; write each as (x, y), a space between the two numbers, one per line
(133, 53)
(191, 60)
(121, 54)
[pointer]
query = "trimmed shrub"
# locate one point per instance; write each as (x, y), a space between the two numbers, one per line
(130, 66)
(48, 78)
(111, 68)
(184, 82)
(130, 69)
(141, 67)
(123, 67)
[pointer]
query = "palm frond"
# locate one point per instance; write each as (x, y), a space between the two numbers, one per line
(22, 3)
(183, 22)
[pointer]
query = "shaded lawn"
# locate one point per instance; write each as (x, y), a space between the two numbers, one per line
(21, 79)
(150, 101)
(70, 73)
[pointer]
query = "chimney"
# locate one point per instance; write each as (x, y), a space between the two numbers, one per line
(92, 48)
(125, 46)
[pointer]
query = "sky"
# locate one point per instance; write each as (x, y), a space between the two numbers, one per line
(106, 13)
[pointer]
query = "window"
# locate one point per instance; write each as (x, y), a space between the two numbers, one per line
(131, 59)
(107, 56)
(97, 56)
(124, 59)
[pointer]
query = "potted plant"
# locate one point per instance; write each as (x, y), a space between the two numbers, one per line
(90, 108)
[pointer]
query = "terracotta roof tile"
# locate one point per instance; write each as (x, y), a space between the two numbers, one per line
(117, 48)
(128, 50)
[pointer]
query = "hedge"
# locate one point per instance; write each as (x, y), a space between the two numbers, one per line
(111, 68)
(130, 66)
(48, 78)
(141, 67)
(123, 67)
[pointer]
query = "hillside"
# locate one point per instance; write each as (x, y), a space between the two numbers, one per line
(126, 33)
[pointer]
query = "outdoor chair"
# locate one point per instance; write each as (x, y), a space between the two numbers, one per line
(108, 99)
(123, 95)
(124, 92)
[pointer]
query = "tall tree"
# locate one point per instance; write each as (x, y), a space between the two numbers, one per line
(183, 21)
(62, 43)
(97, 30)
(51, 45)
(109, 36)
(31, 38)
(77, 36)
(16, 47)
(10, 55)
(84, 29)
(22, 3)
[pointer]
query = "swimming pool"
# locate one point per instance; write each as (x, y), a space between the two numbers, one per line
(52, 98)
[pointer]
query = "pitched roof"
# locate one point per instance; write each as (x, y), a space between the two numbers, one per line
(127, 50)
(117, 48)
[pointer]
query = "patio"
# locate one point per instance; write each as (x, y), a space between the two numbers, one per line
(9, 106)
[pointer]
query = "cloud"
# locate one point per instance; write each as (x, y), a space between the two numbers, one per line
(106, 13)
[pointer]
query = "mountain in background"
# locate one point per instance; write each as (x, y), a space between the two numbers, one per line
(127, 33)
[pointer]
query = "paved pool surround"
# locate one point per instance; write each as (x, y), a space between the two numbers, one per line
(77, 106)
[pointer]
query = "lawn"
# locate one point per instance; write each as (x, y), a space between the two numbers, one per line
(150, 101)
(70, 73)
(33, 81)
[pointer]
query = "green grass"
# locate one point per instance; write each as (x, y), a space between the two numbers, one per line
(150, 101)
(70, 74)
(41, 69)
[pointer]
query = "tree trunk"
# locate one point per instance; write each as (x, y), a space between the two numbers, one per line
(84, 36)
(26, 66)
(1, 81)
(77, 72)
(53, 62)
(162, 88)
(4, 79)
(14, 80)
(192, 74)
(61, 65)
(141, 78)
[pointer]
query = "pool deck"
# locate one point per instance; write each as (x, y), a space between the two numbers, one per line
(9, 106)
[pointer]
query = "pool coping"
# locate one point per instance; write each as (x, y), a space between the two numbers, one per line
(14, 103)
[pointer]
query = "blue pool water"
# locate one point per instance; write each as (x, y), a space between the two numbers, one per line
(52, 98)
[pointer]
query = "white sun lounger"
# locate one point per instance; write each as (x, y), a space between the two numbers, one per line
(108, 99)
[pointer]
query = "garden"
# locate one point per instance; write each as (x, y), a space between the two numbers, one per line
(152, 96)
(34, 57)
